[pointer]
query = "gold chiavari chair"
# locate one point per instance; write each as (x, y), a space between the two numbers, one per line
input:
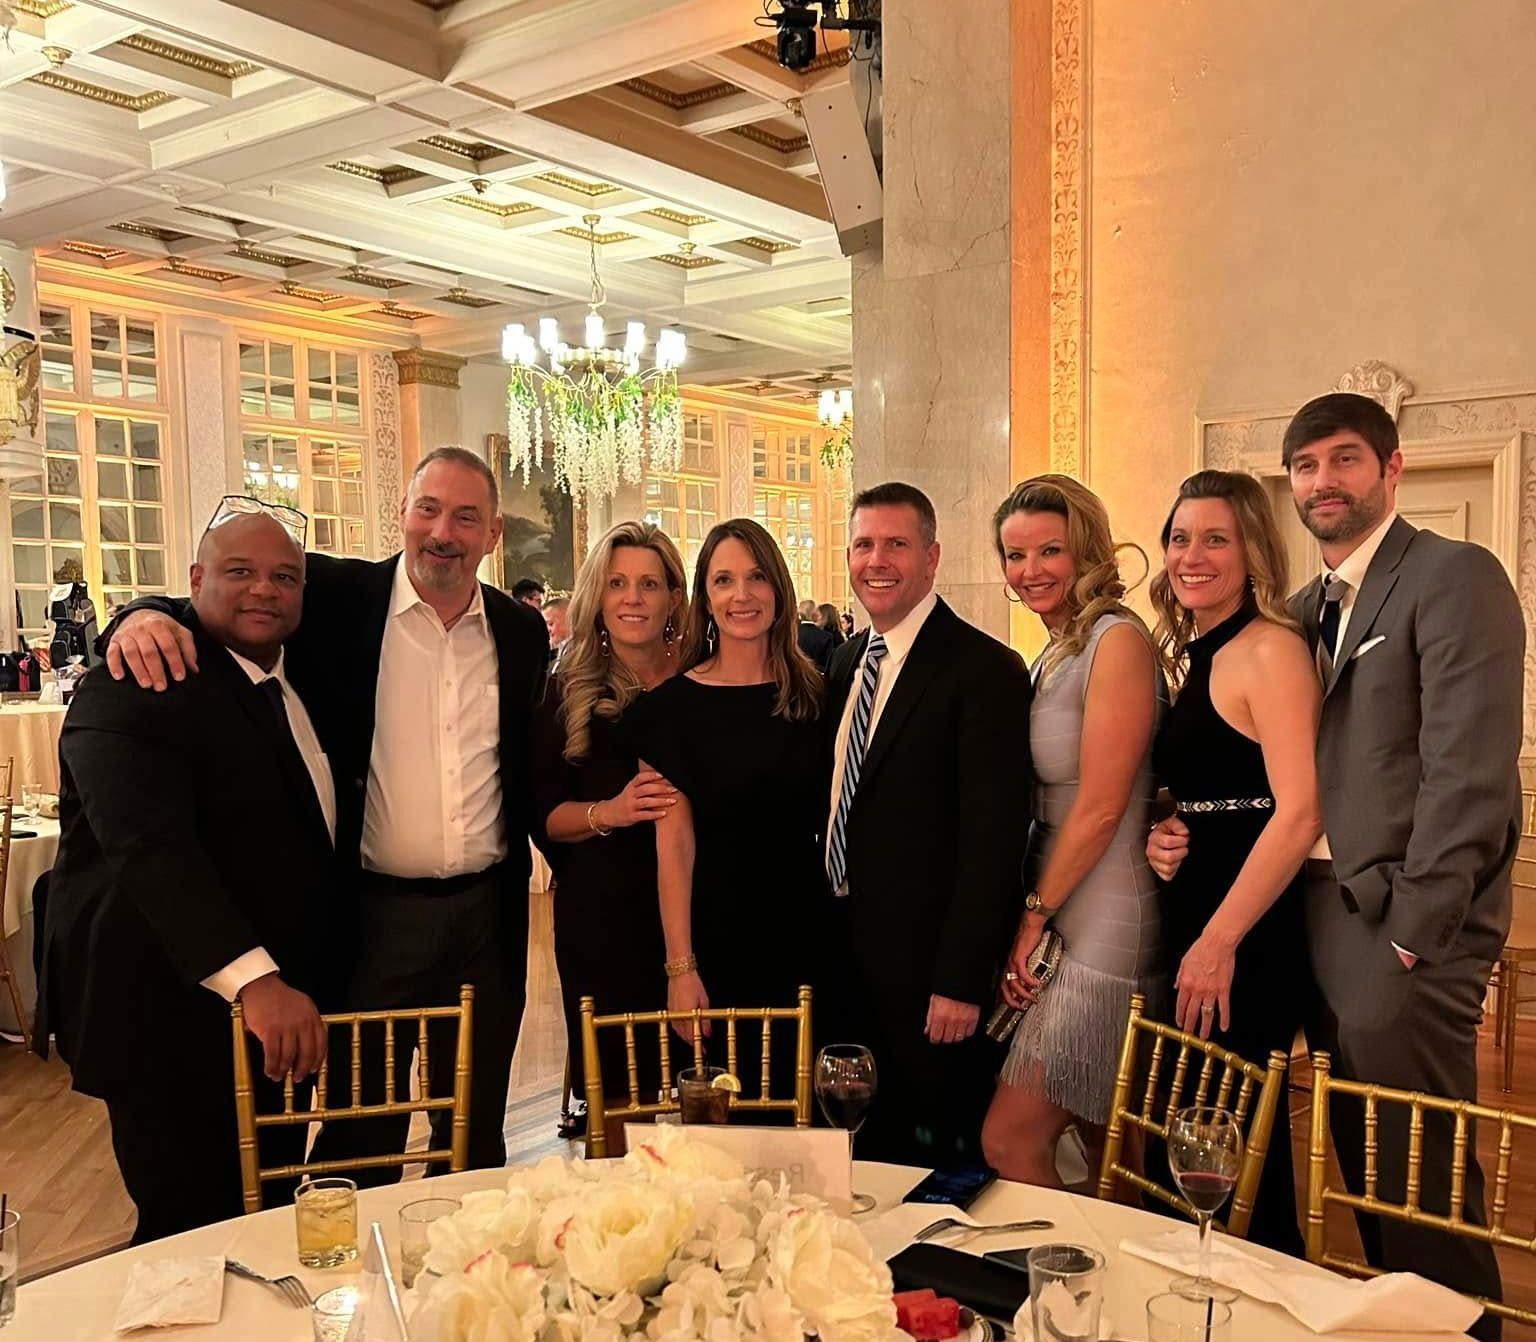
(599, 1110)
(253, 1174)
(1222, 1078)
(1321, 1192)
(7, 772)
(7, 970)
(1519, 953)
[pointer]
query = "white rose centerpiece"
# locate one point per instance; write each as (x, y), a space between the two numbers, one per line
(671, 1244)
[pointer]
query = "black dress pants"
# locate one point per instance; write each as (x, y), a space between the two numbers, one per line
(416, 948)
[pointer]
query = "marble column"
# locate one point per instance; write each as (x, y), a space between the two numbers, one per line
(22, 452)
(939, 384)
(429, 404)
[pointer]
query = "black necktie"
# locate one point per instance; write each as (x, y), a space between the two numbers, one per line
(288, 745)
(1334, 588)
(272, 688)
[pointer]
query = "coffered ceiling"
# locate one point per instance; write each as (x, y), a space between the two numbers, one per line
(428, 168)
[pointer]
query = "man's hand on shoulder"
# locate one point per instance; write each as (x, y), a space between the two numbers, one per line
(287, 1023)
(949, 1021)
(148, 644)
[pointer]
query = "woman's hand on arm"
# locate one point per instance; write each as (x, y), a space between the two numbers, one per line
(646, 797)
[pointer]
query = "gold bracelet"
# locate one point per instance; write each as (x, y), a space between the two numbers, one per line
(677, 968)
(592, 821)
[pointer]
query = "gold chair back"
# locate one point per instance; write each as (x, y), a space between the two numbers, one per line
(1221, 1078)
(248, 1122)
(7, 971)
(7, 773)
(600, 1110)
(1323, 1193)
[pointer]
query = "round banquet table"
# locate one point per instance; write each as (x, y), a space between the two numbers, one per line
(30, 858)
(29, 734)
(80, 1303)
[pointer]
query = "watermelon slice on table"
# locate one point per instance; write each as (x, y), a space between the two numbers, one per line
(927, 1316)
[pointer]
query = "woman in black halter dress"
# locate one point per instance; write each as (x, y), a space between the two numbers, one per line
(1239, 768)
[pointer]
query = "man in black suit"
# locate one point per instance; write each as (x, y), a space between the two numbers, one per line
(929, 813)
(815, 642)
(195, 866)
(423, 683)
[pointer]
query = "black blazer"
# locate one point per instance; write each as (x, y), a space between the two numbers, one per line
(190, 834)
(818, 644)
(333, 661)
(937, 833)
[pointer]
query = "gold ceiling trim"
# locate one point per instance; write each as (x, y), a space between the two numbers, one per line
(688, 262)
(91, 249)
(679, 101)
(253, 253)
(149, 231)
(383, 176)
(40, 9)
(464, 299)
(601, 239)
(193, 60)
(766, 245)
(828, 60)
(491, 206)
(784, 144)
(577, 184)
(128, 102)
(389, 309)
(176, 266)
(678, 217)
(293, 289)
(473, 152)
(358, 275)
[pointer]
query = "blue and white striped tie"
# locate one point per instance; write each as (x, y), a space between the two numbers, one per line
(853, 762)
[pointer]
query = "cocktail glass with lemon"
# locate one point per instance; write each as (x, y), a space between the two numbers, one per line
(704, 1094)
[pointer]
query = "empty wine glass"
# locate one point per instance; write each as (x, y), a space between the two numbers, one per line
(845, 1088)
(1205, 1151)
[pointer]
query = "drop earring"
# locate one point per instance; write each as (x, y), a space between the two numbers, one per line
(667, 635)
(1012, 597)
(709, 635)
(602, 638)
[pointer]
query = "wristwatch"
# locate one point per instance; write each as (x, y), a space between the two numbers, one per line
(1032, 904)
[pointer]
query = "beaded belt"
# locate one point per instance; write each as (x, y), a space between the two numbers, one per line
(1227, 804)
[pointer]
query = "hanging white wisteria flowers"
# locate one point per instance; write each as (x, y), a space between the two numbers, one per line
(674, 1243)
(604, 414)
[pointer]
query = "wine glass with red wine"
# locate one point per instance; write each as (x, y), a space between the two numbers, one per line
(1205, 1151)
(845, 1088)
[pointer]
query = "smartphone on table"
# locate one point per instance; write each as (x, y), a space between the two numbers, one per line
(955, 1188)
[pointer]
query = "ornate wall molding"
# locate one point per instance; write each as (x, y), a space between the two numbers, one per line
(213, 466)
(384, 416)
(1380, 381)
(1495, 429)
(738, 467)
(428, 368)
(1070, 81)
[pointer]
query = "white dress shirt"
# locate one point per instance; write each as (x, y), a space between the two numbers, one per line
(1352, 573)
(433, 807)
(255, 963)
(898, 643)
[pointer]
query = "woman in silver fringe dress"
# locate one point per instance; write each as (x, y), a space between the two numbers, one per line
(1099, 695)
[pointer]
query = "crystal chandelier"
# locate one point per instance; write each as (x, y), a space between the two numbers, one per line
(834, 410)
(604, 413)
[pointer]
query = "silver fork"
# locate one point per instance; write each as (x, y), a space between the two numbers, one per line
(947, 1223)
(290, 1287)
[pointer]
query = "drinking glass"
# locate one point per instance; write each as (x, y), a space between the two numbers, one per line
(1205, 1151)
(1066, 1292)
(845, 1088)
(331, 1314)
(415, 1217)
(702, 1097)
(31, 799)
(1184, 1318)
(10, 1264)
(325, 1215)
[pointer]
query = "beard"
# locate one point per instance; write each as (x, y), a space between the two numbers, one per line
(1359, 515)
(439, 577)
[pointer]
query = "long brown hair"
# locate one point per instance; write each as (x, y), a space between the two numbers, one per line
(1098, 588)
(799, 683)
(592, 680)
(1263, 555)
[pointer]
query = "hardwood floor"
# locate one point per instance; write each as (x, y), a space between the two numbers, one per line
(56, 1159)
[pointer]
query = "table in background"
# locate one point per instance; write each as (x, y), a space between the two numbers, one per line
(29, 734)
(30, 858)
(78, 1305)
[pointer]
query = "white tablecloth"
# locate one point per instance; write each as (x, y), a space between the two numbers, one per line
(30, 858)
(29, 734)
(79, 1305)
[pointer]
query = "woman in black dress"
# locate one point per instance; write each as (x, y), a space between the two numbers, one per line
(737, 858)
(594, 807)
(1236, 752)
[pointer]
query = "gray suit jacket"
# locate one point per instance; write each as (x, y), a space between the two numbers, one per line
(1419, 744)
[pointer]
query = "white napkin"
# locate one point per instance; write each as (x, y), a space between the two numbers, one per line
(171, 1291)
(1398, 1303)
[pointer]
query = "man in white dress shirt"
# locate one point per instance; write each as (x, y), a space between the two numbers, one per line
(423, 682)
(196, 866)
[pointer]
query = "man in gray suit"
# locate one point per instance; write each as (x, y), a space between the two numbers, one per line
(1420, 643)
